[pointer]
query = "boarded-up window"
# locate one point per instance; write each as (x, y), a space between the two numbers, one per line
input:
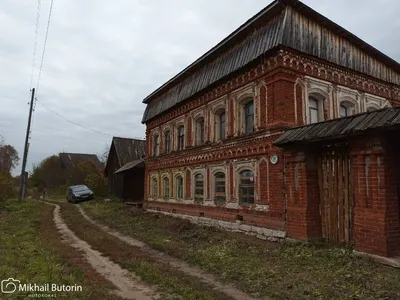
(219, 192)
(246, 187)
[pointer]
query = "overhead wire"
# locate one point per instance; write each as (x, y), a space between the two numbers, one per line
(40, 73)
(75, 123)
(44, 46)
(35, 40)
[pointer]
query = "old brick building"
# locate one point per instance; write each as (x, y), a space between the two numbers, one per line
(211, 130)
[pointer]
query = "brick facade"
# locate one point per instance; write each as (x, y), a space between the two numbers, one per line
(286, 195)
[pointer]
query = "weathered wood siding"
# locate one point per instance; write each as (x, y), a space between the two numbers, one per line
(312, 38)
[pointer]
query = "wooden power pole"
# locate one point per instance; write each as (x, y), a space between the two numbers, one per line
(24, 176)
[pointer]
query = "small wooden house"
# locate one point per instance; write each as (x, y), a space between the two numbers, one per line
(69, 165)
(125, 169)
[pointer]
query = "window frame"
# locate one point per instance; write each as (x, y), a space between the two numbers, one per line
(154, 187)
(156, 145)
(200, 131)
(167, 141)
(246, 186)
(166, 190)
(217, 193)
(198, 178)
(246, 114)
(181, 137)
(179, 189)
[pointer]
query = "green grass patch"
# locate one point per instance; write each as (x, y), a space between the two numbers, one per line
(171, 283)
(290, 271)
(26, 256)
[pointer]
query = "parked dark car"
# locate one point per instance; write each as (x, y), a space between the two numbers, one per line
(79, 193)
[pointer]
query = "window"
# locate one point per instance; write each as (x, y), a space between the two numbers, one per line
(346, 109)
(181, 137)
(246, 187)
(200, 132)
(249, 117)
(314, 110)
(219, 188)
(179, 187)
(371, 109)
(156, 145)
(199, 188)
(155, 187)
(222, 125)
(167, 142)
(166, 187)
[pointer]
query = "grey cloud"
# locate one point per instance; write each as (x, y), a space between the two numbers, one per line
(104, 57)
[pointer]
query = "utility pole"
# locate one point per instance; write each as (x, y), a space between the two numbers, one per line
(24, 177)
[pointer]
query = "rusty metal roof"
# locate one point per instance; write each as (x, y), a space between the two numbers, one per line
(343, 127)
(283, 22)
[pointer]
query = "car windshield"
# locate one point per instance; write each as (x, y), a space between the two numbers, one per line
(80, 188)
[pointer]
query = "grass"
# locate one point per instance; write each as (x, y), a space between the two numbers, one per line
(280, 271)
(31, 251)
(171, 284)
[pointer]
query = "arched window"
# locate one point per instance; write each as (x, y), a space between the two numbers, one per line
(179, 187)
(155, 187)
(166, 187)
(156, 145)
(200, 132)
(219, 188)
(220, 125)
(314, 115)
(167, 142)
(248, 115)
(246, 187)
(198, 188)
(346, 109)
(181, 137)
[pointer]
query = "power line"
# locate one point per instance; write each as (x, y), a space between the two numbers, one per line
(35, 40)
(44, 46)
(80, 125)
(72, 122)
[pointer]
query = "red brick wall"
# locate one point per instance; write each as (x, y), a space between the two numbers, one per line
(377, 219)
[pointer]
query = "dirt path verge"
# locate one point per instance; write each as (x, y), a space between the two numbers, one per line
(129, 286)
(171, 261)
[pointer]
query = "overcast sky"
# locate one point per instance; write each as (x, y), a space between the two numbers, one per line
(103, 57)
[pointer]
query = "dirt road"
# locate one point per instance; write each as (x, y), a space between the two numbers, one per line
(128, 285)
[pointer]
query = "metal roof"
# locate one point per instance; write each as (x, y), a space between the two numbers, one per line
(130, 165)
(277, 24)
(343, 127)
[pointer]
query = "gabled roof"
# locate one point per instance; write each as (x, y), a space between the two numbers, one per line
(127, 150)
(70, 160)
(282, 23)
(386, 118)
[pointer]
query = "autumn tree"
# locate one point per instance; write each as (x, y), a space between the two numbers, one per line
(8, 160)
(48, 174)
(94, 177)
